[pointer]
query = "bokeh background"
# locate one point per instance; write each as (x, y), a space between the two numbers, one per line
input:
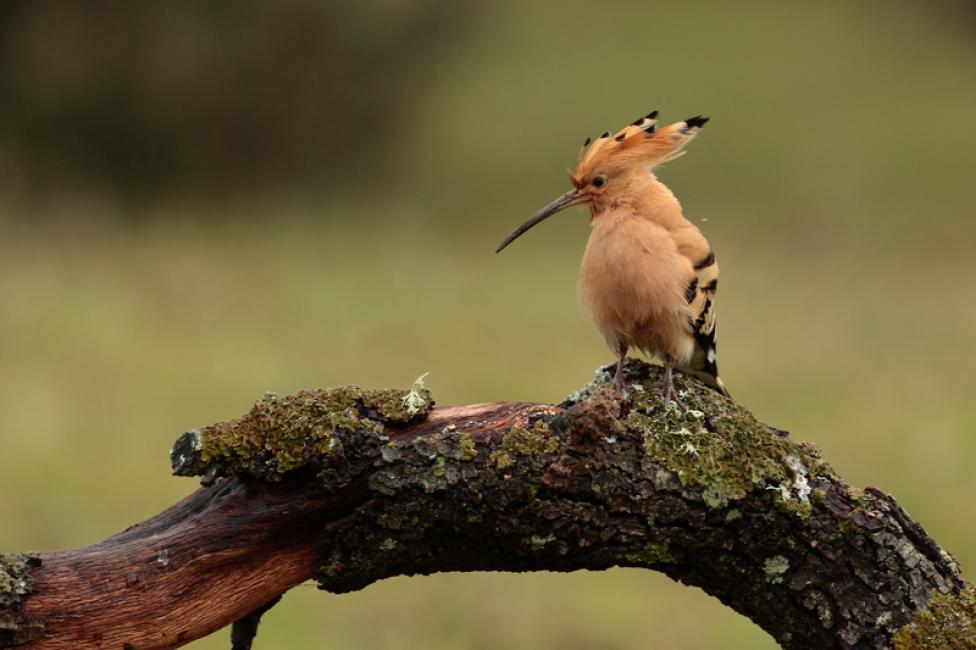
(200, 202)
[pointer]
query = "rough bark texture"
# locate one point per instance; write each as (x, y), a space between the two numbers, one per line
(353, 486)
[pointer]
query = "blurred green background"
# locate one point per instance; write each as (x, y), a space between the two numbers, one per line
(200, 202)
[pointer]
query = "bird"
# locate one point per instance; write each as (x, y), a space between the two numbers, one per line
(648, 275)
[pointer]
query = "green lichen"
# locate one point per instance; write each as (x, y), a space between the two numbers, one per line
(947, 623)
(855, 494)
(280, 434)
(15, 585)
(538, 542)
(467, 450)
(741, 454)
(440, 467)
(526, 442)
(15, 579)
(774, 568)
(334, 565)
(717, 495)
(786, 502)
(393, 520)
(547, 543)
(652, 553)
(501, 459)
(519, 441)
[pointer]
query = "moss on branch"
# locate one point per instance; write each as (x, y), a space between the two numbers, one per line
(282, 434)
(717, 444)
(947, 623)
(16, 584)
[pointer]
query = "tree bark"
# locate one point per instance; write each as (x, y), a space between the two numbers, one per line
(710, 497)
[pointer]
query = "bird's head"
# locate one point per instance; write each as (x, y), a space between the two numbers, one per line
(607, 168)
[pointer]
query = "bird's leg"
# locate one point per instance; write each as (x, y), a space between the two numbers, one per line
(668, 394)
(618, 377)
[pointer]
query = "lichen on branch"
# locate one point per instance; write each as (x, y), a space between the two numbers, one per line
(947, 623)
(719, 445)
(16, 584)
(282, 434)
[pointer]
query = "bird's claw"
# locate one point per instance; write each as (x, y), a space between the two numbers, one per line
(618, 382)
(669, 394)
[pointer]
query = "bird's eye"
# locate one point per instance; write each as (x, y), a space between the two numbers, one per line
(599, 181)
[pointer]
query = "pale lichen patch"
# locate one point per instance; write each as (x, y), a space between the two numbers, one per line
(416, 399)
(774, 568)
(801, 485)
(538, 542)
(717, 495)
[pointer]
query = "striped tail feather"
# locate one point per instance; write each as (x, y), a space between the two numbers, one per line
(701, 299)
(712, 381)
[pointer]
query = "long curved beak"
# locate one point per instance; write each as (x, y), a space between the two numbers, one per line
(571, 198)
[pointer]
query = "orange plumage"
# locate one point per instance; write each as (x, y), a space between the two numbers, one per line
(648, 274)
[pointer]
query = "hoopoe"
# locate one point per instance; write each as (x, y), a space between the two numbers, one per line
(648, 274)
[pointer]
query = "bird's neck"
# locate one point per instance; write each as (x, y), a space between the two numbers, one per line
(642, 196)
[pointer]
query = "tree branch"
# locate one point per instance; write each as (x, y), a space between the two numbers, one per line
(351, 486)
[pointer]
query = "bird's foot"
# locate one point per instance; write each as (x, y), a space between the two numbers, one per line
(618, 380)
(669, 394)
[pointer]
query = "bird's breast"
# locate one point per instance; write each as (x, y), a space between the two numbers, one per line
(633, 279)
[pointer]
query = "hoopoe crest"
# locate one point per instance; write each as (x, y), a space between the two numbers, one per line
(648, 274)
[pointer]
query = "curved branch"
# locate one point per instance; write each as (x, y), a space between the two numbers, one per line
(347, 488)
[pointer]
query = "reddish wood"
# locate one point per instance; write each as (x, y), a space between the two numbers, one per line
(205, 562)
